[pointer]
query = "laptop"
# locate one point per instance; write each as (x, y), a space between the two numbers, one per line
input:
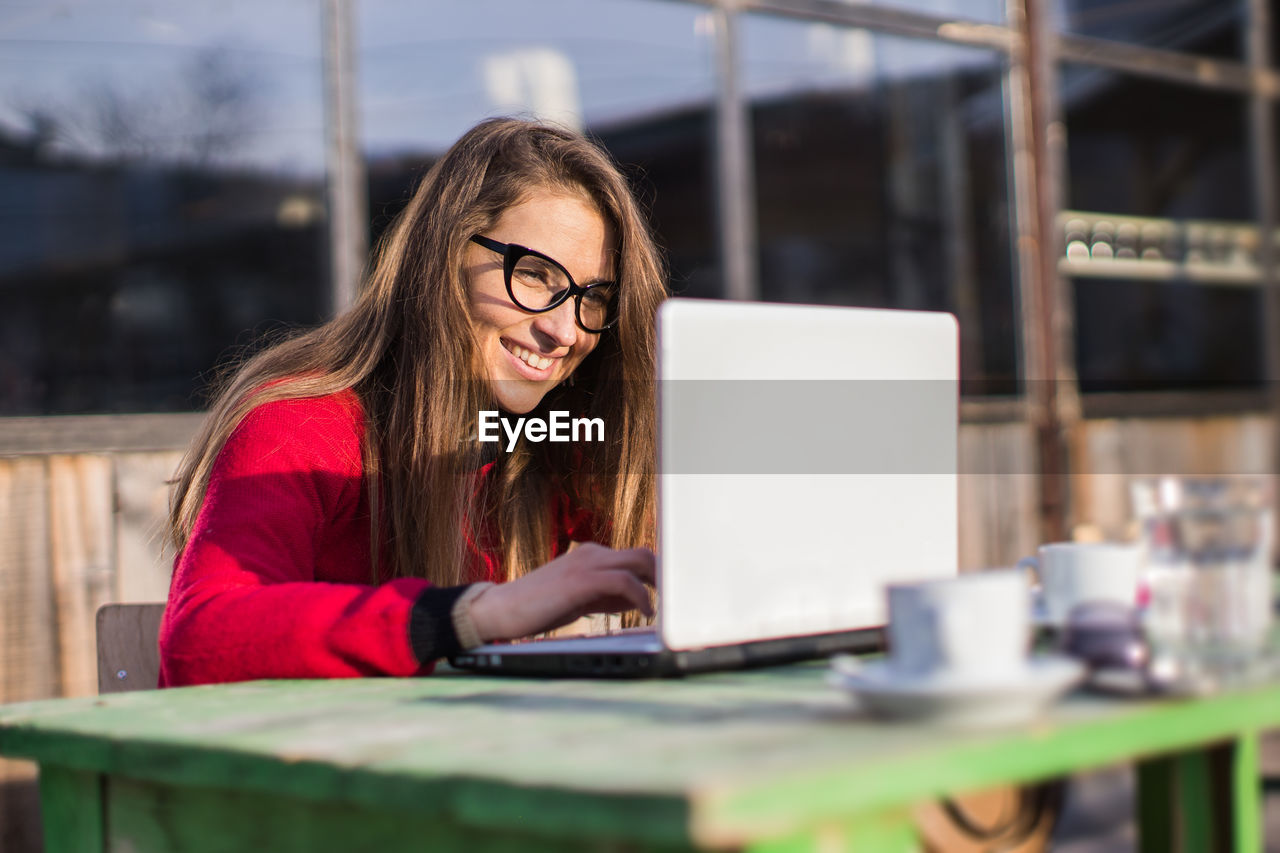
(807, 458)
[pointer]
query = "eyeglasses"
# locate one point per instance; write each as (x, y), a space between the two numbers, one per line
(537, 283)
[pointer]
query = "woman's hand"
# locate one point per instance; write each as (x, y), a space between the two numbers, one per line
(588, 579)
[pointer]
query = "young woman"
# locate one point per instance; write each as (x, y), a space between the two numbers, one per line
(338, 514)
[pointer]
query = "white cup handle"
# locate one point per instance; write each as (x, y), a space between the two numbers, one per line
(1032, 563)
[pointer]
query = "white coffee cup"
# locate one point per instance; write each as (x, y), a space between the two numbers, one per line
(974, 628)
(1072, 573)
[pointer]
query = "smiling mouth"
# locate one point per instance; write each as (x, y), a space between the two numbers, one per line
(532, 359)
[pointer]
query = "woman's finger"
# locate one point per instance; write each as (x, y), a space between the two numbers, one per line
(625, 588)
(645, 564)
(640, 562)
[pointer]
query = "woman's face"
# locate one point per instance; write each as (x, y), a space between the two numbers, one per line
(526, 355)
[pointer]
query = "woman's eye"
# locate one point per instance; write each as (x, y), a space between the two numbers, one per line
(599, 295)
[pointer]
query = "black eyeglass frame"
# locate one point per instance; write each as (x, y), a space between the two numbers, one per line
(511, 255)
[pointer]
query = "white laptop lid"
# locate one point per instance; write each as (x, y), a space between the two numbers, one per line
(807, 458)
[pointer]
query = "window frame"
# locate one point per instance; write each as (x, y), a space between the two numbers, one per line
(1260, 84)
(1034, 53)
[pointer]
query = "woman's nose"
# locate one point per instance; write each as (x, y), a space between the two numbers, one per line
(559, 324)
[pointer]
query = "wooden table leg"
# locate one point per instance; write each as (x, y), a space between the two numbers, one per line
(1157, 824)
(1206, 800)
(71, 810)
(1246, 788)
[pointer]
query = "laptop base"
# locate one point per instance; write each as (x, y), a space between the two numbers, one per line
(595, 663)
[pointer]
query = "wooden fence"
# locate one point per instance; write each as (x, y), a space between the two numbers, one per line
(76, 531)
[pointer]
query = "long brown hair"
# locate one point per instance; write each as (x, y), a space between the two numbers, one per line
(406, 349)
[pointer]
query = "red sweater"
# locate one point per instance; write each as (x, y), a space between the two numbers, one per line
(274, 580)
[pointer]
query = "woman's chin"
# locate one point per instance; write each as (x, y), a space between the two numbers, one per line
(517, 396)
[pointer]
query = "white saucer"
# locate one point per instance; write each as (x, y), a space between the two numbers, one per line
(886, 692)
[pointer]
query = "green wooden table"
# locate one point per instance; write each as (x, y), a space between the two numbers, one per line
(765, 760)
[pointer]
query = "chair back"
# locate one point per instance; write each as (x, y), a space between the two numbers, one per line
(129, 646)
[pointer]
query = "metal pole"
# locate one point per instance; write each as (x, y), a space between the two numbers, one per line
(1262, 131)
(1047, 311)
(1025, 232)
(735, 186)
(885, 19)
(1157, 64)
(348, 206)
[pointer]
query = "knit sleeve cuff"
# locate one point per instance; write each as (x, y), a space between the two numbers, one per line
(431, 631)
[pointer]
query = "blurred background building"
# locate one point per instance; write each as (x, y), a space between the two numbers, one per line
(1089, 185)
